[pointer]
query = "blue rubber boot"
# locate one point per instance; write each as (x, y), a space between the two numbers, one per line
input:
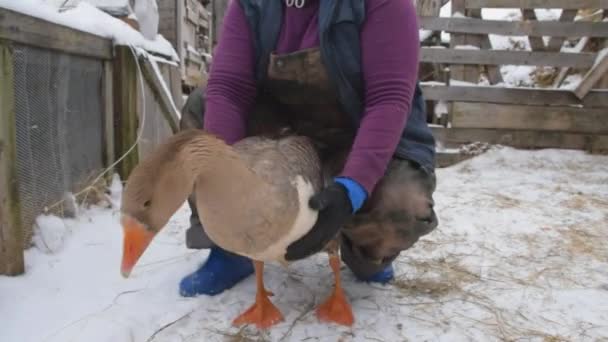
(382, 277)
(221, 271)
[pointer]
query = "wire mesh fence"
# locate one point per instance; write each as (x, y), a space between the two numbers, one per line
(59, 127)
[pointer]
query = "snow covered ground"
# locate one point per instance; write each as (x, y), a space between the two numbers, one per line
(520, 253)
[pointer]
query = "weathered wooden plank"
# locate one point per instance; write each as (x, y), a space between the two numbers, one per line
(599, 70)
(456, 71)
(161, 96)
(108, 116)
(500, 57)
(428, 8)
(565, 4)
(494, 75)
(126, 90)
(469, 73)
(33, 31)
(536, 42)
(219, 8)
(603, 82)
(563, 72)
(521, 138)
(175, 83)
(515, 28)
(555, 43)
(527, 96)
(473, 72)
(501, 116)
(11, 236)
(167, 21)
(192, 15)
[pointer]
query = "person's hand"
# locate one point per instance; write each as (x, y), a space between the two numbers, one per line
(335, 206)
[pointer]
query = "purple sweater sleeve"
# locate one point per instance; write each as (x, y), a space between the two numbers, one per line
(390, 48)
(231, 88)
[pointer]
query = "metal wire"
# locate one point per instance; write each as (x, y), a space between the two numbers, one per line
(59, 126)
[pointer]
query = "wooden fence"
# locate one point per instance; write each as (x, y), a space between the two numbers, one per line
(550, 117)
(115, 116)
(188, 26)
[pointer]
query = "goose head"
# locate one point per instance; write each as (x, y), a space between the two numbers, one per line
(156, 188)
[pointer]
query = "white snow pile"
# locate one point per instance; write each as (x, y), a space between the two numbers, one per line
(520, 254)
(86, 17)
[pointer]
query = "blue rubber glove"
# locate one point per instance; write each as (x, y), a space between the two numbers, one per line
(336, 205)
(356, 192)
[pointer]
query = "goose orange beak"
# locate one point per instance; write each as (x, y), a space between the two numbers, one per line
(136, 240)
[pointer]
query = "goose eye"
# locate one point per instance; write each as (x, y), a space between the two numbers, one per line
(147, 204)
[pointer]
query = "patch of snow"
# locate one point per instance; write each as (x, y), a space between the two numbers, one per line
(578, 47)
(446, 10)
(500, 42)
(571, 82)
(108, 3)
(50, 233)
(509, 14)
(518, 75)
(519, 254)
(192, 49)
(509, 43)
(432, 83)
(88, 18)
(466, 47)
(424, 34)
(115, 190)
(207, 56)
(441, 109)
(147, 17)
(548, 14)
(113, 7)
(445, 37)
(463, 83)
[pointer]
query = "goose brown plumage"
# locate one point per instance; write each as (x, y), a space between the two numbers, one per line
(252, 198)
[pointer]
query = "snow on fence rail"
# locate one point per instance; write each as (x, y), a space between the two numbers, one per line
(71, 104)
(481, 107)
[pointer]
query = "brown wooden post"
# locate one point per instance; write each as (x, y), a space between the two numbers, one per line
(11, 234)
(428, 8)
(555, 43)
(126, 123)
(219, 10)
(536, 43)
(108, 117)
(464, 72)
(603, 82)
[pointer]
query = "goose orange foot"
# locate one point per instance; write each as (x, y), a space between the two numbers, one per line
(262, 313)
(336, 308)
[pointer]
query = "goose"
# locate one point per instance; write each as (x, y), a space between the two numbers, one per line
(252, 198)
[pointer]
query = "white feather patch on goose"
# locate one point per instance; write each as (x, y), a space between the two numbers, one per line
(304, 221)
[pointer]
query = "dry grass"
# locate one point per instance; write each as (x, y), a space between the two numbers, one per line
(451, 277)
(544, 77)
(506, 202)
(580, 241)
(86, 193)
